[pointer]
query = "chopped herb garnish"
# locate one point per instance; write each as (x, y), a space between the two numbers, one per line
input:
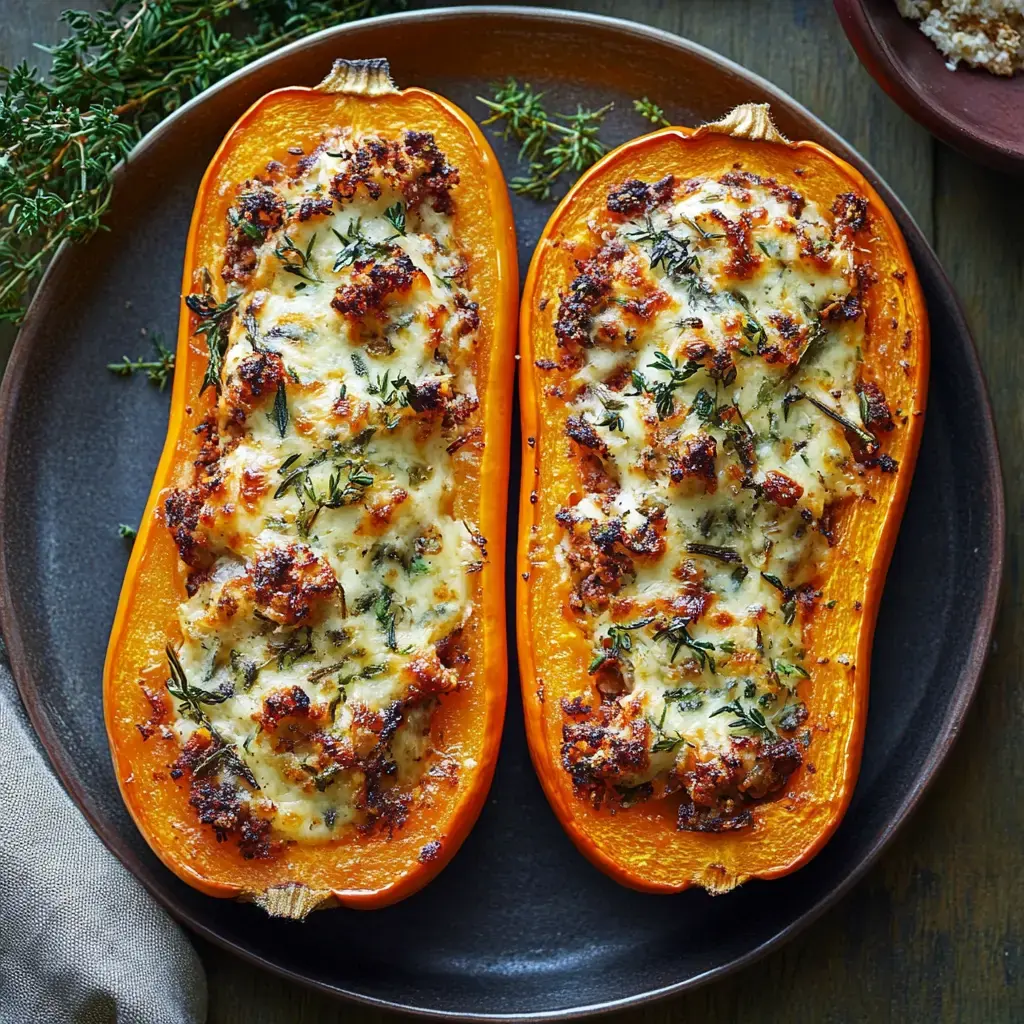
(748, 719)
(396, 216)
(126, 531)
(386, 616)
(707, 236)
(289, 649)
(190, 698)
(663, 391)
(226, 756)
(620, 640)
(245, 668)
(666, 250)
(419, 566)
(390, 391)
(297, 261)
(786, 668)
(279, 414)
(713, 551)
(214, 324)
(686, 698)
(677, 634)
(795, 395)
(336, 495)
(777, 584)
(356, 246)
(666, 741)
(705, 408)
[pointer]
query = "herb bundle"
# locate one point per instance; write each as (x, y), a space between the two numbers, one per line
(119, 72)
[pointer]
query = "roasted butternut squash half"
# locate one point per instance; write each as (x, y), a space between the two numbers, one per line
(306, 677)
(724, 367)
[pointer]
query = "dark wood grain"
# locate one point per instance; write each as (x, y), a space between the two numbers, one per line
(935, 932)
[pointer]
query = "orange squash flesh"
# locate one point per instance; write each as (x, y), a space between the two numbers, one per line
(357, 870)
(640, 846)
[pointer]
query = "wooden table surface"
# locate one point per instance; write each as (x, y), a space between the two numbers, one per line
(936, 930)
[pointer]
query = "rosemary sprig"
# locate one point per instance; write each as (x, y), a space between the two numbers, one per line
(158, 371)
(666, 741)
(718, 553)
(118, 73)
(396, 216)
(279, 414)
(863, 435)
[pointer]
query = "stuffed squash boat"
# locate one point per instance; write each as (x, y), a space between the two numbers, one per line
(305, 682)
(725, 358)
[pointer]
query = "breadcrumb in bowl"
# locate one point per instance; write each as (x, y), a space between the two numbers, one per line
(986, 34)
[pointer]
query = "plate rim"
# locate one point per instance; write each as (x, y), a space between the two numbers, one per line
(962, 698)
(883, 64)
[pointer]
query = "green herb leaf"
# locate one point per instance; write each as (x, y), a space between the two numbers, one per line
(650, 111)
(676, 633)
(396, 215)
(713, 551)
(551, 145)
(298, 261)
(214, 324)
(280, 411)
(158, 371)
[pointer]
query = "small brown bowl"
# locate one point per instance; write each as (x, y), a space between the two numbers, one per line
(979, 113)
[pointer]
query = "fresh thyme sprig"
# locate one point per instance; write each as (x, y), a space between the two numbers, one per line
(190, 698)
(118, 73)
(620, 640)
(158, 371)
(298, 261)
(214, 324)
(678, 636)
(667, 251)
(552, 145)
(663, 391)
(747, 719)
(650, 111)
(356, 246)
(190, 705)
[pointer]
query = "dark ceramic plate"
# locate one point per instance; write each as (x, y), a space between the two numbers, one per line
(520, 923)
(979, 113)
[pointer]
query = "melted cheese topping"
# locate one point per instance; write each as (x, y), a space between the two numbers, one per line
(330, 579)
(718, 409)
